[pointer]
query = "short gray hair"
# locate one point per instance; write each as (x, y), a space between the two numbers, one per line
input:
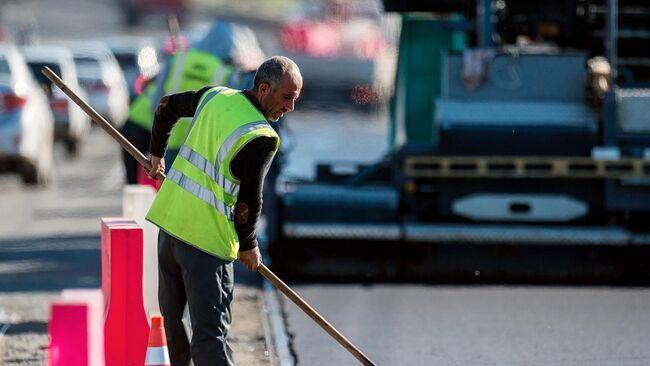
(272, 70)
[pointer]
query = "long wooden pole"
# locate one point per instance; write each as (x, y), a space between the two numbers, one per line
(174, 32)
(265, 271)
(304, 306)
(103, 123)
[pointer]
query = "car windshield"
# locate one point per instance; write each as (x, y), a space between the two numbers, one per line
(42, 80)
(129, 64)
(127, 60)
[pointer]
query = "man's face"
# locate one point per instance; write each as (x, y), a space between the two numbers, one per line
(278, 101)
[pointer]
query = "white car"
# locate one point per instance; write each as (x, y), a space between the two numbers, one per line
(26, 121)
(103, 80)
(71, 123)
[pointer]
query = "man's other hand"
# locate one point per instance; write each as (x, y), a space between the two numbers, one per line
(251, 259)
(157, 165)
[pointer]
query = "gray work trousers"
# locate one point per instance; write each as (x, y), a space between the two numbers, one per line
(205, 282)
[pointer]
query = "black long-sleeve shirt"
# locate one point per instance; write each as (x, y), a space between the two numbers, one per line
(249, 165)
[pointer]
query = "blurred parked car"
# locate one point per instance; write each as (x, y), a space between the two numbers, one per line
(26, 121)
(340, 47)
(71, 123)
(137, 57)
(102, 79)
(134, 10)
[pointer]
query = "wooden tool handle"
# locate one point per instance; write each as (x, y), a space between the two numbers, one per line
(103, 123)
(304, 306)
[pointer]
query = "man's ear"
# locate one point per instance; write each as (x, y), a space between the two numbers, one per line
(264, 89)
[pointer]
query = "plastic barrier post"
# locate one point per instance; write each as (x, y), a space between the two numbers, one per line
(94, 300)
(68, 330)
(126, 328)
(136, 200)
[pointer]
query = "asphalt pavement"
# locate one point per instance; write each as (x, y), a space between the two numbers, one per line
(485, 325)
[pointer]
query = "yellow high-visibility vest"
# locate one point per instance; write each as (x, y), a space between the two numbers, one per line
(140, 111)
(196, 203)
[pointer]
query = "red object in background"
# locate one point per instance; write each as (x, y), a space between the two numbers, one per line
(11, 102)
(95, 86)
(126, 328)
(144, 179)
(316, 39)
(323, 39)
(171, 45)
(370, 47)
(141, 82)
(59, 104)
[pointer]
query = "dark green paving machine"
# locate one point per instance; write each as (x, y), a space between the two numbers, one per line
(520, 149)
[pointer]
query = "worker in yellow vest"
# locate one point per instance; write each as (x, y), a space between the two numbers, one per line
(209, 62)
(137, 130)
(208, 207)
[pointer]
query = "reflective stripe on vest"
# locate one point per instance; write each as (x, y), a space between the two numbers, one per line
(201, 192)
(235, 135)
(205, 101)
(212, 171)
(219, 76)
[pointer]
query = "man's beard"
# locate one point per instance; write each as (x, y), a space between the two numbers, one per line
(274, 119)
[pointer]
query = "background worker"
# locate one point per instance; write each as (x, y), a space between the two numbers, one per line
(137, 128)
(209, 62)
(209, 205)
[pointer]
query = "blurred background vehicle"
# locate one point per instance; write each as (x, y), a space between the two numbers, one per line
(26, 121)
(138, 56)
(351, 38)
(71, 123)
(102, 79)
(510, 128)
(135, 10)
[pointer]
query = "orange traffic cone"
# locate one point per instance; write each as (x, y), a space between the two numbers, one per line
(157, 352)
